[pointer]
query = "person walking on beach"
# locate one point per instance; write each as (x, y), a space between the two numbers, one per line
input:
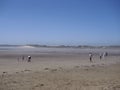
(90, 56)
(104, 54)
(100, 56)
(29, 58)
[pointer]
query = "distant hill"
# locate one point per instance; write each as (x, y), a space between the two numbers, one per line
(60, 46)
(7, 45)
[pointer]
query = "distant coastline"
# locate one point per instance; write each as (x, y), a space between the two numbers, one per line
(59, 46)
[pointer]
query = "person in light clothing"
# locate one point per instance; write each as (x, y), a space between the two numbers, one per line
(29, 58)
(90, 56)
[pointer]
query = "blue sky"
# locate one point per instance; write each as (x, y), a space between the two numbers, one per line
(57, 22)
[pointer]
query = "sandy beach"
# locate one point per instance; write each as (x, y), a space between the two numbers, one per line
(59, 44)
(59, 69)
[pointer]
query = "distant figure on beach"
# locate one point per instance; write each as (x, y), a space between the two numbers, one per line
(104, 55)
(100, 56)
(29, 58)
(90, 56)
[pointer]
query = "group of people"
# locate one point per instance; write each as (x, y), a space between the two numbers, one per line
(101, 56)
(23, 58)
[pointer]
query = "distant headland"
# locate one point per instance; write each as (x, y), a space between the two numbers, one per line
(58, 46)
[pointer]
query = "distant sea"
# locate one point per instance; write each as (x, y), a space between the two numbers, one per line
(60, 50)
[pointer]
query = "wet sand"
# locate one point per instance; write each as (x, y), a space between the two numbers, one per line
(59, 69)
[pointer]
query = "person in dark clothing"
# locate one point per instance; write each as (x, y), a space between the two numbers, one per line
(100, 56)
(90, 56)
(106, 53)
(29, 58)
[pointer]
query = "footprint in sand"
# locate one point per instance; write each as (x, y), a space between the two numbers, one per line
(77, 67)
(46, 68)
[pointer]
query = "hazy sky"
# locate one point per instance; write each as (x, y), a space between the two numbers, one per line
(56, 22)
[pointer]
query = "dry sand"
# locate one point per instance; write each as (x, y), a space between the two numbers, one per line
(59, 69)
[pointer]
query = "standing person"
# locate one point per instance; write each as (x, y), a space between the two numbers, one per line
(100, 56)
(106, 53)
(90, 56)
(29, 58)
(103, 56)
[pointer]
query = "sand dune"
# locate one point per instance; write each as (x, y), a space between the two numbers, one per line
(26, 47)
